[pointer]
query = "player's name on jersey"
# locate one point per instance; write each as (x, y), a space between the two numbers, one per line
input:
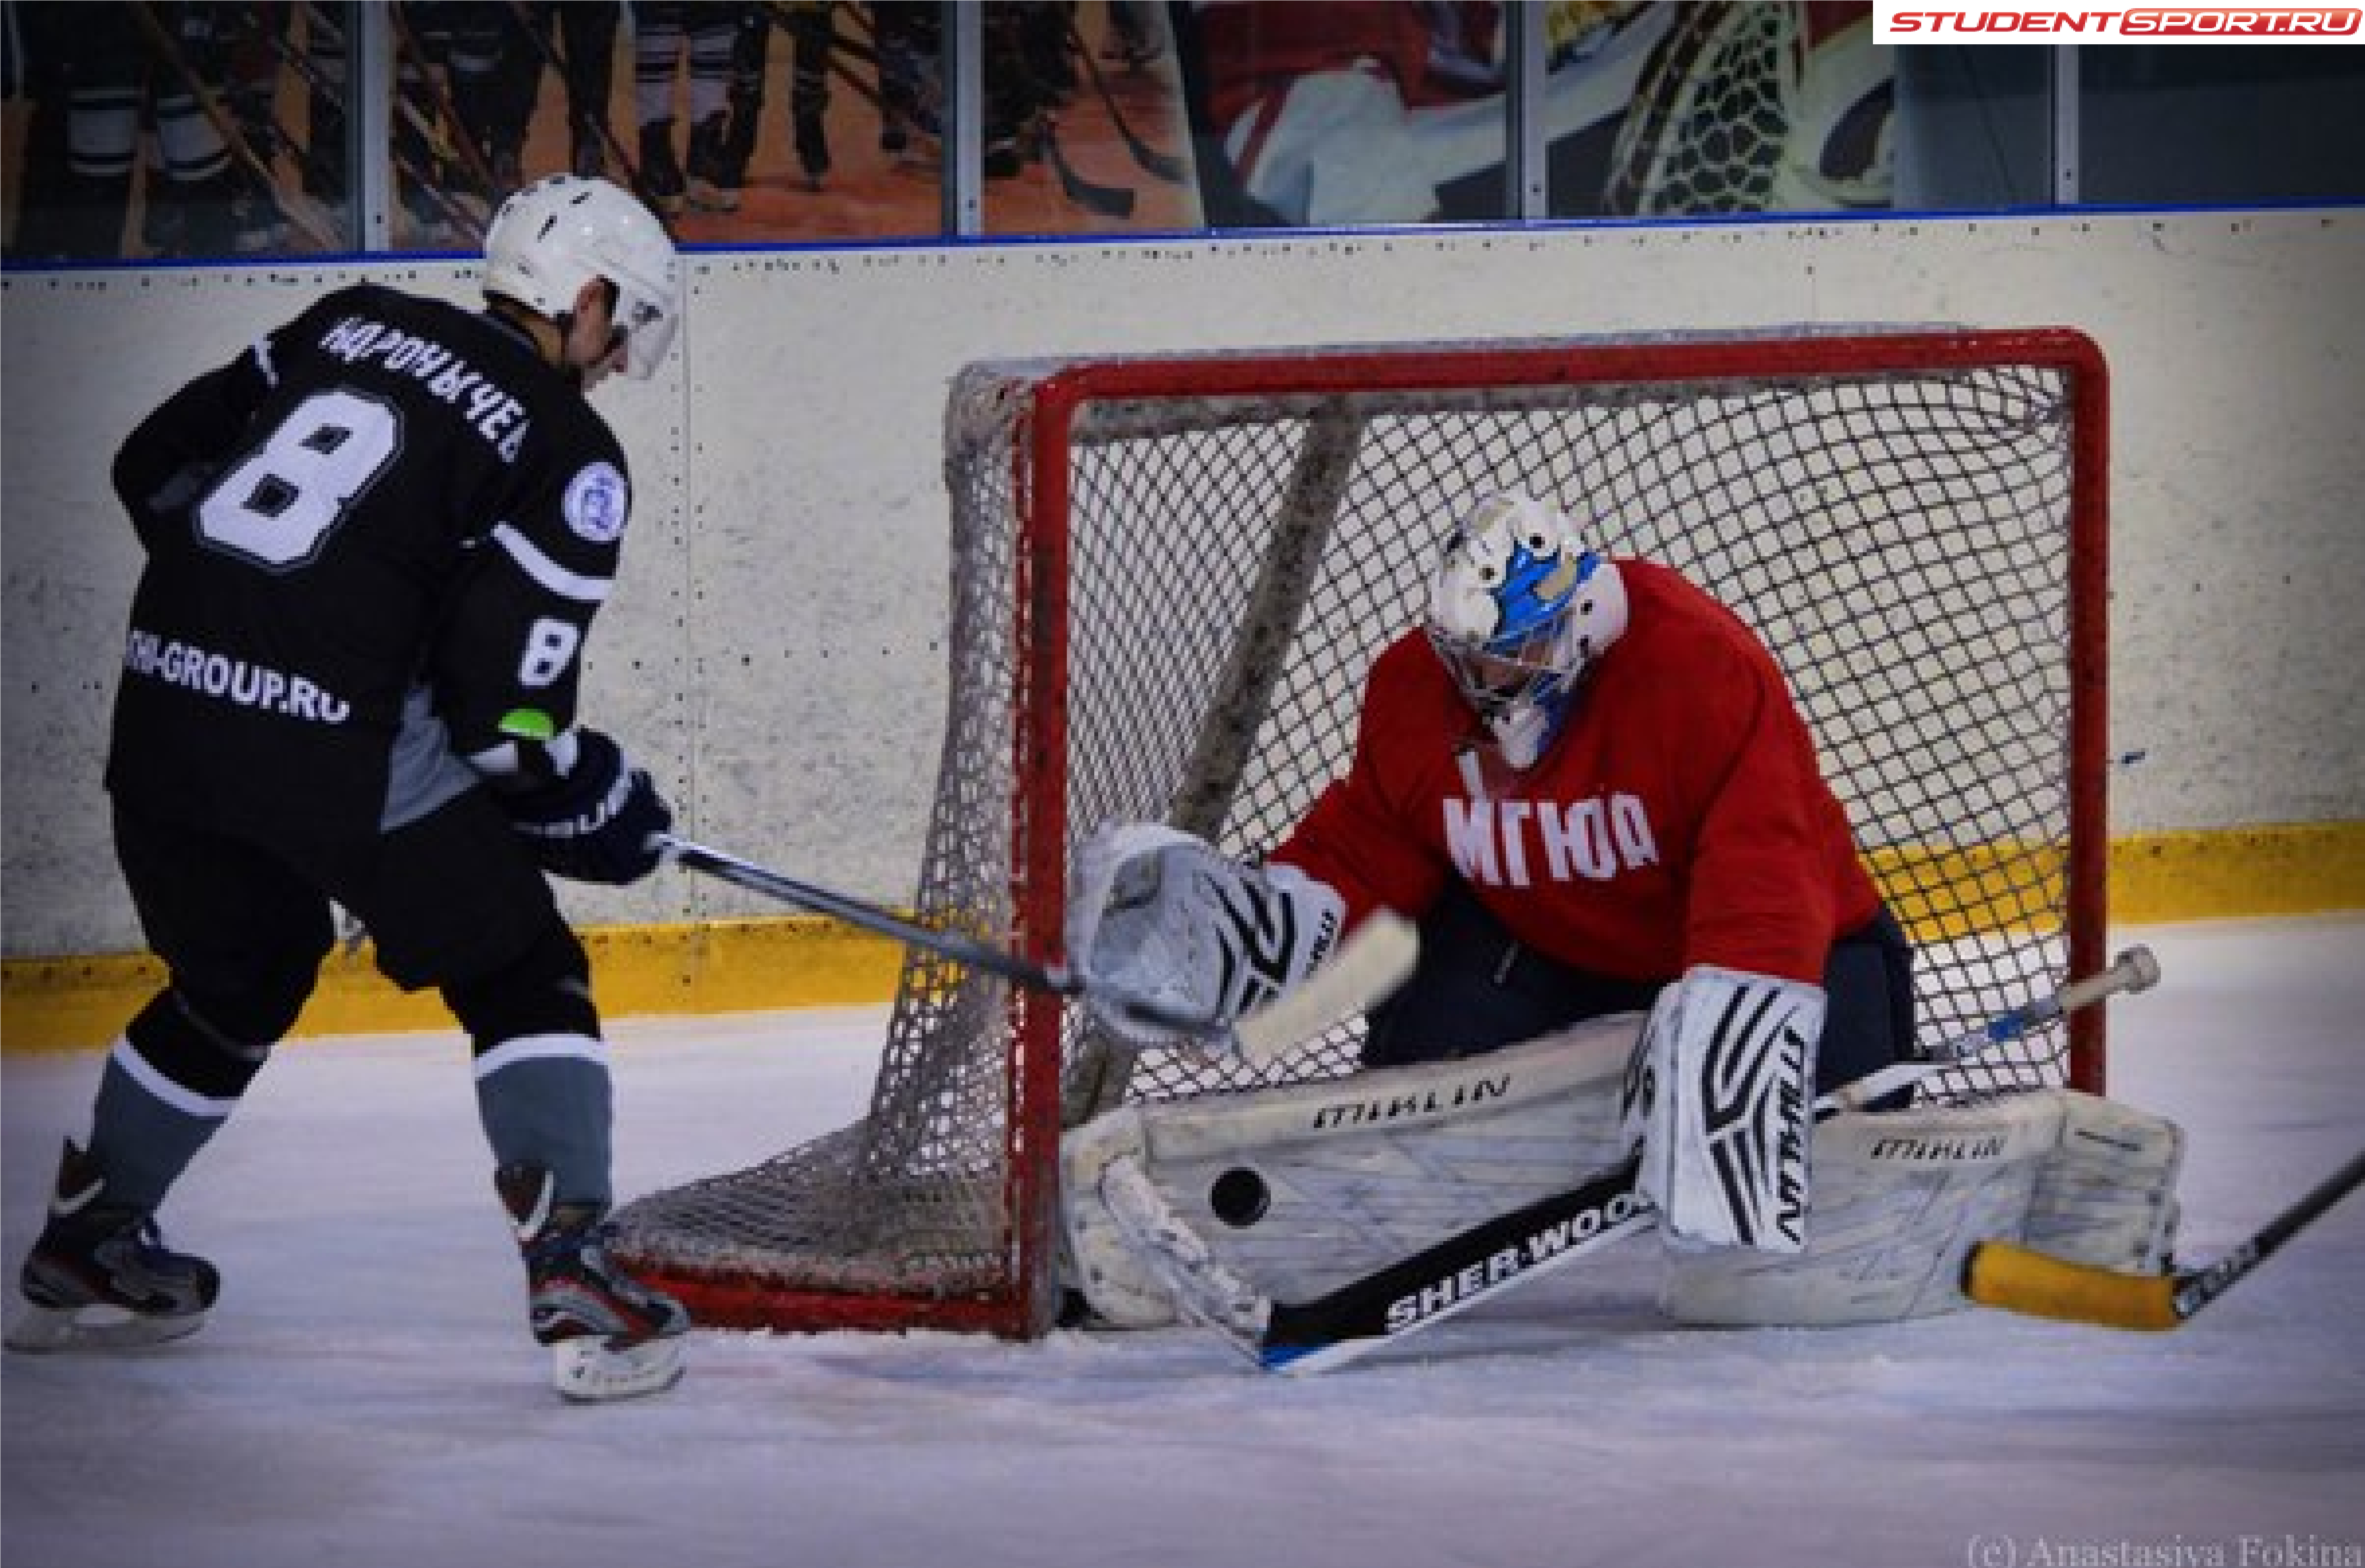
(231, 679)
(488, 408)
(1509, 843)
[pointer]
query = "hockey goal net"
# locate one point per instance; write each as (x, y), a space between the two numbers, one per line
(1169, 577)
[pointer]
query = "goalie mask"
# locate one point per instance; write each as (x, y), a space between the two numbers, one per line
(557, 234)
(1519, 609)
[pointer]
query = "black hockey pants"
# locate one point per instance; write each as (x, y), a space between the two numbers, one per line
(1478, 989)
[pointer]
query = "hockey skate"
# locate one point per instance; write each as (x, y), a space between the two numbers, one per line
(610, 1336)
(101, 1277)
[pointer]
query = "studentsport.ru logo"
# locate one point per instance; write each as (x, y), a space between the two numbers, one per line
(1899, 22)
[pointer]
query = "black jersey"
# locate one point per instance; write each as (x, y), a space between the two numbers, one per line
(375, 542)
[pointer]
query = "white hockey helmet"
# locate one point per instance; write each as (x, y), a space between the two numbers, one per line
(552, 237)
(1519, 609)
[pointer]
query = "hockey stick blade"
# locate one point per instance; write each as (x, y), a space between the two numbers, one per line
(1057, 978)
(1103, 201)
(2005, 1274)
(1365, 971)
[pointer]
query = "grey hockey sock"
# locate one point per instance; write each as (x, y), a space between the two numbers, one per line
(145, 1128)
(547, 1101)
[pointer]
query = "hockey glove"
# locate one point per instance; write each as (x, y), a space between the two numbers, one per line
(593, 821)
(1719, 1099)
(1160, 915)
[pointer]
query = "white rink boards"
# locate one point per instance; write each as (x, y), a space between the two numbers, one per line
(774, 652)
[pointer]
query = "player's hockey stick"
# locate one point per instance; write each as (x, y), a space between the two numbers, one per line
(1104, 201)
(2005, 1274)
(1473, 1266)
(1367, 966)
(967, 950)
(1158, 165)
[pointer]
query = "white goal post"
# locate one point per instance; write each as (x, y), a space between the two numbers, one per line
(1169, 576)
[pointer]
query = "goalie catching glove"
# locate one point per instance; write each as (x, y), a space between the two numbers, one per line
(1719, 1098)
(1158, 916)
(585, 814)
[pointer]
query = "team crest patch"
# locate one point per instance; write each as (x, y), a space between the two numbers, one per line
(597, 503)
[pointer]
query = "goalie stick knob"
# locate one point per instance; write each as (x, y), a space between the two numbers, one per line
(2142, 970)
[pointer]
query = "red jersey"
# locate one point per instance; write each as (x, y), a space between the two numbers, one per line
(1680, 817)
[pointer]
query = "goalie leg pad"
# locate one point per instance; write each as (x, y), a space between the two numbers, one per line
(1103, 1255)
(1900, 1198)
(2107, 1196)
(1297, 1189)
(1197, 1285)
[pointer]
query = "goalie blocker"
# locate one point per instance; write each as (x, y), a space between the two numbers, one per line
(1197, 1209)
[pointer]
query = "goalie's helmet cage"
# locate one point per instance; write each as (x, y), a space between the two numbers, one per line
(553, 236)
(1519, 608)
(1169, 577)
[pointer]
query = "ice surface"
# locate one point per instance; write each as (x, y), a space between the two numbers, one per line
(366, 1395)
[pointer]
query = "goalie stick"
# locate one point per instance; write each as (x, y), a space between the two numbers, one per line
(1370, 964)
(1476, 1265)
(2005, 1274)
(2134, 970)
(1367, 966)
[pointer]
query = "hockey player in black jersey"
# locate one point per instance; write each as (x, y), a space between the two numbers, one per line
(375, 542)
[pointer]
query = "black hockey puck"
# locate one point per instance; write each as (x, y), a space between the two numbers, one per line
(1240, 1197)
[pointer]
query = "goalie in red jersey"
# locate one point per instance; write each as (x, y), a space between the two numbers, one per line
(1640, 905)
(1588, 783)
(1585, 778)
